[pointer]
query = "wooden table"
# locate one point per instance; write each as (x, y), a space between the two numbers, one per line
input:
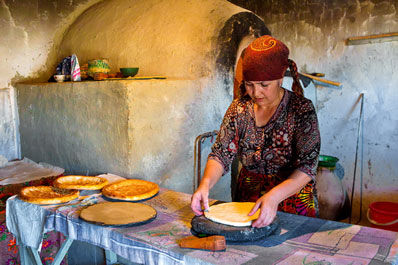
(300, 240)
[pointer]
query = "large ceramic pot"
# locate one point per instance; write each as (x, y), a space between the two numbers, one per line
(332, 196)
(98, 66)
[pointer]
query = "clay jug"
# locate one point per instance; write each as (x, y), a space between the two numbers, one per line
(332, 196)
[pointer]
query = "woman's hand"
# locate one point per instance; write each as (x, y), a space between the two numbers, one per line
(212, 174)
(268, 207)
(268, 203)
(200, 198)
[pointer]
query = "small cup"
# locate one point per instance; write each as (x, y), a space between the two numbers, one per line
(59, 78)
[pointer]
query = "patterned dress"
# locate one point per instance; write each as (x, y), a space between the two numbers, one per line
(269, 154)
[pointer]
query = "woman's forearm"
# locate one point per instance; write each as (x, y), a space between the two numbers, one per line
(212, 174)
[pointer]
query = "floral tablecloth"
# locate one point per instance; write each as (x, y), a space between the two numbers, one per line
(8, 248)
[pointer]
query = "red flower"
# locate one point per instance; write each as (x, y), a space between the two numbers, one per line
(12, 246)
(46, 243)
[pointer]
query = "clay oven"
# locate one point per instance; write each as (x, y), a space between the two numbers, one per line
(144, 129)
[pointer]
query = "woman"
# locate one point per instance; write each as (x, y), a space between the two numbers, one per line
(275, 134)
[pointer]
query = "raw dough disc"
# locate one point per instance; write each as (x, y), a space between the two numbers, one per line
(118, 213)
(47, 195)
(232, 213)
(131, 190)
(80, 182)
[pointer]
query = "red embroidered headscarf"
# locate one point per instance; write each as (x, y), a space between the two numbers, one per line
(266, 59)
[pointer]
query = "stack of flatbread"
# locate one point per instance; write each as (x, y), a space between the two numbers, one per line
(66, 188)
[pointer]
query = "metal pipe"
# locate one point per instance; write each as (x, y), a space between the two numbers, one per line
(361, 96)
(197, 156)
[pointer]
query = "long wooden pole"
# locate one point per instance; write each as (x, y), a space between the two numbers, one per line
(322, 80)
(372, 38)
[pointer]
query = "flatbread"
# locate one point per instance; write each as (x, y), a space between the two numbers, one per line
(232, 213)
(131, 190)
(47, 195)
(80, 182)
(118, 213)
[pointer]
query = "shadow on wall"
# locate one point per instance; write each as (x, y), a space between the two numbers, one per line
(234, 31)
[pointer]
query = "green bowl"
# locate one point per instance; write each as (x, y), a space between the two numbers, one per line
(129, 71)
(327, 161)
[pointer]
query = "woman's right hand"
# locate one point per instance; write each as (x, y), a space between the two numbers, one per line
(200, 200)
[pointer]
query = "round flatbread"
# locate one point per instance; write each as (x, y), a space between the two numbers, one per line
(118, 213)
(80, 182)
(47, 195)
(232, 213)
(131, 190)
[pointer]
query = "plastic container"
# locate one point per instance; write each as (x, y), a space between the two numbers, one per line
(384, 215)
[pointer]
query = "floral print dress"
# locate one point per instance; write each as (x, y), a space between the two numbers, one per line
(269, 154)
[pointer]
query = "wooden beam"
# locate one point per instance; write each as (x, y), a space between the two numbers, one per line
(372, 39)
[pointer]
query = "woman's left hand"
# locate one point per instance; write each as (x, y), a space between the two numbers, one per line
(268, 207)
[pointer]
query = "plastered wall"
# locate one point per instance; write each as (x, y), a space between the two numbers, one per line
(316, 32)
(29, 33)
(175, 38)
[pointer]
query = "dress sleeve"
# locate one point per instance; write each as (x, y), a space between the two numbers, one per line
(225, 147)
(307, 140)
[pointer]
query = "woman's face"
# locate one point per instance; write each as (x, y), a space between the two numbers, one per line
(264, 93)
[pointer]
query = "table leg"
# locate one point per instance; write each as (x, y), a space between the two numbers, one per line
(23, 254)
(62, 251)
(110, 257)
(29, 255)
(36, 255)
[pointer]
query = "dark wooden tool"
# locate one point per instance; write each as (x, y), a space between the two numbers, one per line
(317, 74)
(213, 243)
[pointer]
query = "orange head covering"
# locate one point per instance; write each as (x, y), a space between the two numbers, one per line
(266, 59)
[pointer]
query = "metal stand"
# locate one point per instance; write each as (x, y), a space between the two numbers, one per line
(197, 156)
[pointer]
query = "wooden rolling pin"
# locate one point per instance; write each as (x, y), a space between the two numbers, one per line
(213, 243)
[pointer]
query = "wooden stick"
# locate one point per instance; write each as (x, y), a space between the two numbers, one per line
(322, 80)
(213, 243)
(372, 38)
